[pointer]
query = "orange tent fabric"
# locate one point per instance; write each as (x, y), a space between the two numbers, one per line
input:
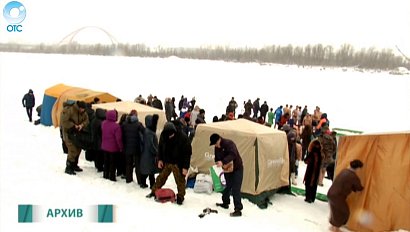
(64, 93)
(384, 204)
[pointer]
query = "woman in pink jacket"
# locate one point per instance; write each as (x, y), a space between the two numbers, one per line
(111, 143)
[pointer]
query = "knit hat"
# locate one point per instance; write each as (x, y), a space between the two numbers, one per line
(286, 128)
(291, 136)
(213, 139)
(81, 104)
(133, 112)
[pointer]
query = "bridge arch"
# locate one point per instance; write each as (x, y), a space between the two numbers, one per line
(71, 38)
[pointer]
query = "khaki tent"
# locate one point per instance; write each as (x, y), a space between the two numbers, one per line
(264, 152)
(142, 110)
(384, 204)
(55, 96)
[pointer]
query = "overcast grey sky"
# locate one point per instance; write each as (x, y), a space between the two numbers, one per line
(192, 23)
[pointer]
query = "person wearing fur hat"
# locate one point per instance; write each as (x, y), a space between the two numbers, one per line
(174, 155)
(73, 118)
(29, 102)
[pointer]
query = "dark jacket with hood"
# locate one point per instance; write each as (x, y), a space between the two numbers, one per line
(175, 150)
(95, 126)
(29, 100)
(150, 149)
(132, 132)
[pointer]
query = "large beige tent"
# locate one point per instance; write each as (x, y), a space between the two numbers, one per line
(264, 152)
(384, 204)
(123, 107)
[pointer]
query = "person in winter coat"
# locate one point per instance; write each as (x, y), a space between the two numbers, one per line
(38, 109)
(328, 149)
(278, 116)
(264, 110)
(120, 158)
(283, 120)
(192, 103)
(298, 156)
(226, 153)
(306, 137)
(111, 144)
(174, 155)
(291, 136)
(232, 105)
(29, 102)
(256, 107)
(323, 123)
(169, 109)
(248, 107)
(132, 132)
(345, 183)
(150, 150)
(194, 115)
(181, 104)
(73, 119)
(64, 146)
(156, 103)
(330, 169)
(271, 117)
(313, 161)
(96, 133)
(88, 140)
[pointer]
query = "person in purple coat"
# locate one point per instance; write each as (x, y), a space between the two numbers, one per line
(111, 143)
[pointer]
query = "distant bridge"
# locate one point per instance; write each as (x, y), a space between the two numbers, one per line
(68, 39)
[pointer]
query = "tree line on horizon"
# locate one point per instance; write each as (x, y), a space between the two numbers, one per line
(309, 55)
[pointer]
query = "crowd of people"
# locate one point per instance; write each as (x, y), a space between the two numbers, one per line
(121, 146)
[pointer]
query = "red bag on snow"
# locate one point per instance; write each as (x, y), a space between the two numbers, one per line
(165, 194)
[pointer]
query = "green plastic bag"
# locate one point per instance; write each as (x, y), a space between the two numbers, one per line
(218, 178)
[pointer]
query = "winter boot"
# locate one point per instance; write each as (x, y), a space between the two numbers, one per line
(180, 200)
(150, 195)
(77, 169)
(69, 168)
(75, 165)
(223, 205)
(293, 178)
(151, 181)
(236, 213)
(106, 173)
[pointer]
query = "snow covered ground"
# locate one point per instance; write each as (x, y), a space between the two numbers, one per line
(32, 162)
